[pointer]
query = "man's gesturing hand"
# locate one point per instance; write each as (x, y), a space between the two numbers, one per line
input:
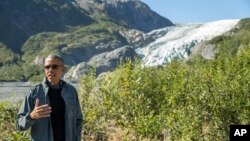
(41, 111)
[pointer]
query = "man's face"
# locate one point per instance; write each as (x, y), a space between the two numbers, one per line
(53, 69)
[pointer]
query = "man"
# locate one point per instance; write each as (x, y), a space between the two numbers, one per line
(52, 108)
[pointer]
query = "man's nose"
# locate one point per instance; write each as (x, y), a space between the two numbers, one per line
(50, 69)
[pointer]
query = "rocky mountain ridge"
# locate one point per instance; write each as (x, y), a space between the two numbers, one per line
(130, 13)
(22, 19)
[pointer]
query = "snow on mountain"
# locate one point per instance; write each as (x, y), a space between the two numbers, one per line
(178, 41)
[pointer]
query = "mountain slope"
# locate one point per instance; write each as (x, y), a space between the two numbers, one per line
(79, 30)
(21, 19)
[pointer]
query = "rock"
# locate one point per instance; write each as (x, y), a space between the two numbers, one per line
(107, 61)
(38, 60)
(134, 37)
(207, 51)
(75, 72)
(103, 62)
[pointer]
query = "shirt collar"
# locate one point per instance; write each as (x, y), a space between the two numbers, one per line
(54, 86)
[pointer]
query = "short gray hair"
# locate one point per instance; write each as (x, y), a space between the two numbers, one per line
(54, 56)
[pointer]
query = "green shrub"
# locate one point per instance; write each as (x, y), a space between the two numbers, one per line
(197, 100)
(181, 101)
(6, 55)
(8, 129)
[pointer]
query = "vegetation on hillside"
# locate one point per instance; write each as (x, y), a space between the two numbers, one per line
(6, 55)
(177, 102)
(76, 38)
(182, 101)
(19, 20)
(235, 40)
(12, 69)
(42, 44)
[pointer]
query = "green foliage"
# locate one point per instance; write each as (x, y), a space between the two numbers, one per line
(236, 39)
(40, 16)
(20, 72)
(197, 100)
(42, 44)
(8, 129)
(11, 73)
(194, 101)
(6, 55)
(76, 38)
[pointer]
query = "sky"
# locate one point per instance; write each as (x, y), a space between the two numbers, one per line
(200, 11)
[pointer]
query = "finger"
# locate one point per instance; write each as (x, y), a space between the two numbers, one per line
(42, 106)
(45, 106)
(46, 111)
(40, 109)
(37, 102)
(44, 115)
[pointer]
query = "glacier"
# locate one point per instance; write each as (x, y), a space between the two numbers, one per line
(178, 41)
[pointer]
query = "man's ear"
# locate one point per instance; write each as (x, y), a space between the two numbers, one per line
(64, 68)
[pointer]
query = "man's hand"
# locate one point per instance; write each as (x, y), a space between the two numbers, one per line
(41, 111)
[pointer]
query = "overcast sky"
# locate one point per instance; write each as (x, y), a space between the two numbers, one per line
(200, 11)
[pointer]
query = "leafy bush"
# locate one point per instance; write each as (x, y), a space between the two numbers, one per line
(197, 100)
(182, 101)
(6, 55)
(8, 129)
(20, 72)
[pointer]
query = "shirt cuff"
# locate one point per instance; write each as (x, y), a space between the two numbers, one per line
(28, 117)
